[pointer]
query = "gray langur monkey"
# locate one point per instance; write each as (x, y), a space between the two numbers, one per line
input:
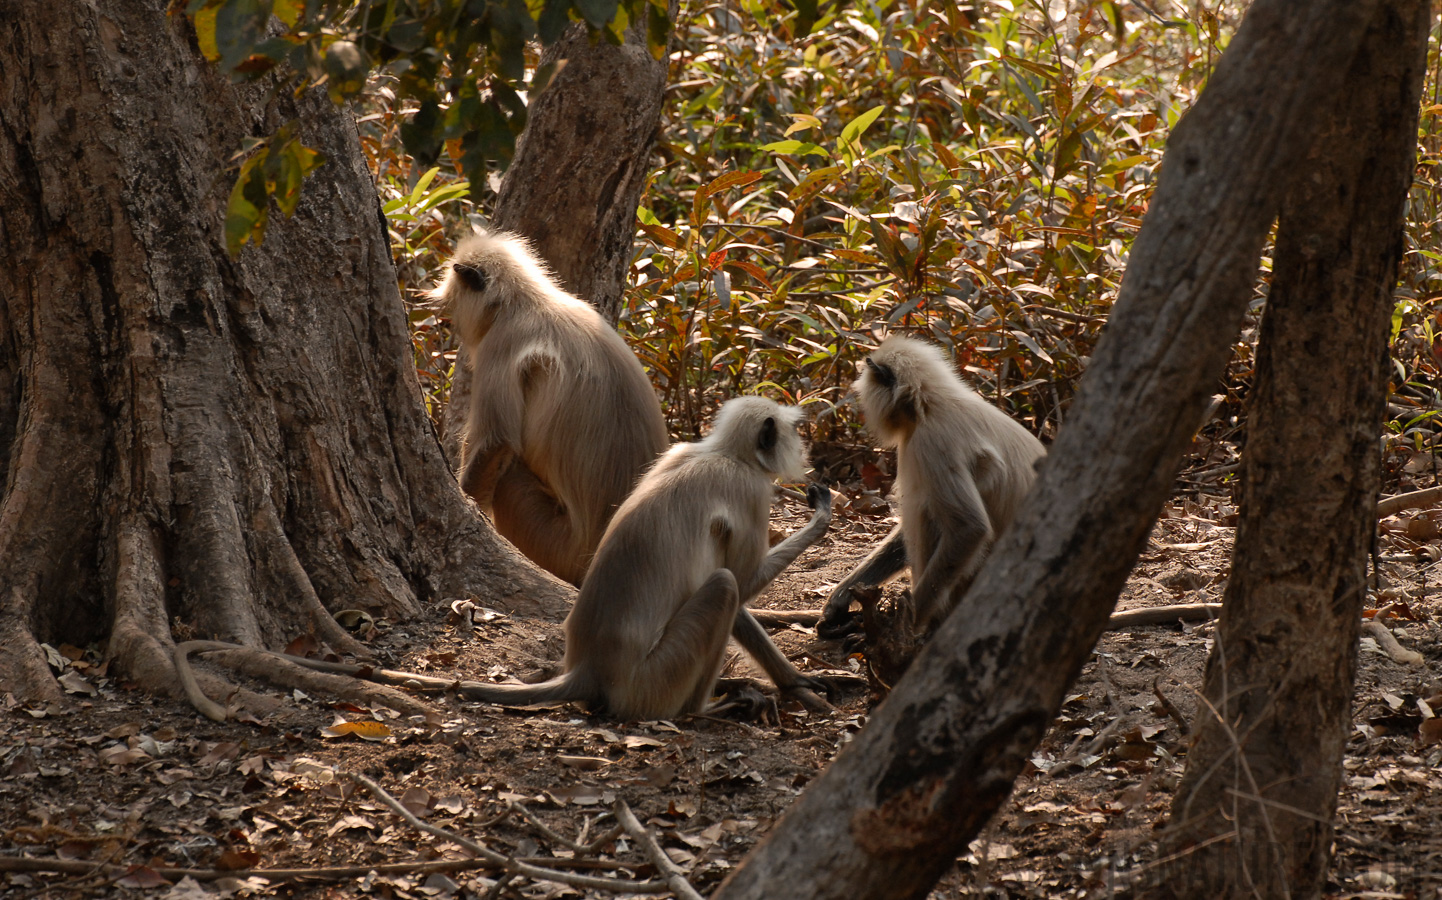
(962, 469)
(563, 420)
(671, 578)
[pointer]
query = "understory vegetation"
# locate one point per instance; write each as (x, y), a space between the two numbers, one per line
(973, 173)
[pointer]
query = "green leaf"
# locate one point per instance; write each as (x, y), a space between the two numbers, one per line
(244, 217)
(807, 12)
(597, 12)
(857, 126)
(346, 68)
(795, 148)
(730, 180)
(551, 23)
(239, 26)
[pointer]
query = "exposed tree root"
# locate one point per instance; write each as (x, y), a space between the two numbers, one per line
(1390, 645)
(675, 878)
(332, 679)
(1390, 506)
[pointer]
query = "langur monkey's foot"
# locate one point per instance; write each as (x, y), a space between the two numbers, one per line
(814, 692)
(741, 698)
(837, 625)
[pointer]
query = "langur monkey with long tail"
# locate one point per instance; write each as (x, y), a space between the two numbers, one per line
(962, 469)
(670, 580)
(563, 420)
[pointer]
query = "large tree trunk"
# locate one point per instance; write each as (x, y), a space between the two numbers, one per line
(898, 805)
(578, 173)
(236, 444)
(1253, 815)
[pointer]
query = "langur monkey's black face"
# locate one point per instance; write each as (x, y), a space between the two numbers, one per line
(889, 408)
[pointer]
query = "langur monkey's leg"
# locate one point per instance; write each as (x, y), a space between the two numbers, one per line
(880, 566)
(533, 519)
(687, 657)
(482, 470)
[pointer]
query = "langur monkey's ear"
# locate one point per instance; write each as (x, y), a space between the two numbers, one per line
(766, 438)
(882, 373)
(472, 277)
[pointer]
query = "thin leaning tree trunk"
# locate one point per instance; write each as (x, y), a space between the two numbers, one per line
(1253, 814)
(235, 444)
(940, 755)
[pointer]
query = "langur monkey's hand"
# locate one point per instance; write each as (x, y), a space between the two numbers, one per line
(818, 497)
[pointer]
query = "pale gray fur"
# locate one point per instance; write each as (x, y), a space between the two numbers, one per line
(670, 579)
(563, 420)
(962, 468)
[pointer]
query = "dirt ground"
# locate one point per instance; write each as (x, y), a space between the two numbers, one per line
(120, 777)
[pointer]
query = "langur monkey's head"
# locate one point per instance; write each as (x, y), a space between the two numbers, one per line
(488, 272)
(896, 385)
(760, 432)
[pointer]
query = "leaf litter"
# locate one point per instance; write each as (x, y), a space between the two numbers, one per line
(118, 778)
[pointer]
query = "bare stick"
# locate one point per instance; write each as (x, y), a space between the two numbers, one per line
(509, 863)
(1132, 618)
(1388, 642)
(1390, 506)
(1164, 615)
(675, 878)
(780, 618)
(1170, 707)
(557, 838)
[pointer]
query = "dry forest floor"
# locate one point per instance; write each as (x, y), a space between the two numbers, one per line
(119, 777)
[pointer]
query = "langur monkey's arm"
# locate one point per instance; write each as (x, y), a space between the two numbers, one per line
(493, 435)
(880, 566)
(748, 632)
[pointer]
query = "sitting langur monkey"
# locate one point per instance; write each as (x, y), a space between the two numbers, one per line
(670, 580)
(962, 469)
(562, 421)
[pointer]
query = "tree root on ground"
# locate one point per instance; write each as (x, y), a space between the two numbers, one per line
(360, 684)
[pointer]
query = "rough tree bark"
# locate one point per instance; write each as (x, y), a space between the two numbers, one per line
(236, 444)
(902, 801)
(1253, 815)
(581, 164)
(578, 173)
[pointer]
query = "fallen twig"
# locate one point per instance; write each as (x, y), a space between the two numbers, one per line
(557, 838)
(780, 618)
(1390, 506)
(1388, 642)
(675, 878)
(1132, 618)
(509, 863)
(1164, 615)
(1170, 707)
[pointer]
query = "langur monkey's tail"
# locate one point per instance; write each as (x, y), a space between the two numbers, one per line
(557, 690)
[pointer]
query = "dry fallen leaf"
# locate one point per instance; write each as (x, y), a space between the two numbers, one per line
(370, 731)
(584, 763)
(347, 823)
